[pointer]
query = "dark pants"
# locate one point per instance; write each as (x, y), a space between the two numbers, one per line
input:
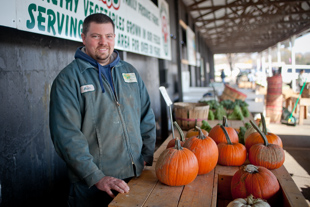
(81, 195)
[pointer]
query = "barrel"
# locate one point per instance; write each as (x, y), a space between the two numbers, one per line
(274, 100)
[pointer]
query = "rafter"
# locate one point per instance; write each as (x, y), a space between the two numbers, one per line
(248, 25)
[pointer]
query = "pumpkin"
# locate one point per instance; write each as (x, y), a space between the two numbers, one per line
(171, 143)
(218, 135)
(176, 166)
(205, 150)
(249, 201)
(231, 154)
(251, 130)
(271, 156)
(195, 132)
(255, 180)
(255, 138)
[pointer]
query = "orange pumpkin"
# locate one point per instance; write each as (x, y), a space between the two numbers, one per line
(255, 180)
(195, 132)
(256, 138)
(218, 135)
(171, 143)
(205, 150)
(270, 156)
(231, 154)
(176, 166)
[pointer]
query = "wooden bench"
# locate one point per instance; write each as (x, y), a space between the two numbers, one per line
(212, 189)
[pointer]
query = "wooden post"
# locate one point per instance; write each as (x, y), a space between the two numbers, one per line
(178, 39)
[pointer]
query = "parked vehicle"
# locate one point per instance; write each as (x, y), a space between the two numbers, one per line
(288, 75)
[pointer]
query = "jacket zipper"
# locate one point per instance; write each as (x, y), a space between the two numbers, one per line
(116, 99)
(118, 104)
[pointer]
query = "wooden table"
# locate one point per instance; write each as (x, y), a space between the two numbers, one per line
(212, 189)
(301, 108)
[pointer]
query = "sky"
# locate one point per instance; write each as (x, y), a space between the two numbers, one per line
(302, 44)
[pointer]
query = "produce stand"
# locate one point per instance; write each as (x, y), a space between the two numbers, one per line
(211, 189)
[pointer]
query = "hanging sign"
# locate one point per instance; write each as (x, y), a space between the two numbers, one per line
(191, 46)
(140, 26)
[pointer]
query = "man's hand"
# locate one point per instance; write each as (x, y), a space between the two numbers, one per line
(108, 183)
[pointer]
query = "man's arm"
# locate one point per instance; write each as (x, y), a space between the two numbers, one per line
(65, 124)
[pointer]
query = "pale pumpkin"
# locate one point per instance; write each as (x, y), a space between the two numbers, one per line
(248, 132)
(249, 201)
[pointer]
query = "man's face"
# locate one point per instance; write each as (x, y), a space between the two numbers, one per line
(99, 42)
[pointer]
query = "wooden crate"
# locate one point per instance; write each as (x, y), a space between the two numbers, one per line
(222, 184)
(211, 189)
(246, 84)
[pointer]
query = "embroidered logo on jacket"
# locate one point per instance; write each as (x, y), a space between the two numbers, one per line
(87, 88)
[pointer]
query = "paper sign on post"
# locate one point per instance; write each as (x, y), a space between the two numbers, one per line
(165, 95)
(168, 101)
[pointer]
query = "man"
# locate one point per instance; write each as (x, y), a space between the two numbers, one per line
(223, 76)
(301, 78)
(101, 121)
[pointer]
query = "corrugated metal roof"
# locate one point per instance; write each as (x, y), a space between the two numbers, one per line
(235, 26)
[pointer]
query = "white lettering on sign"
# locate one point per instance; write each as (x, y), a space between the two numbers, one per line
(140, 26)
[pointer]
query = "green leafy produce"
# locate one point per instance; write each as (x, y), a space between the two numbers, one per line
(213, 104)
(241, 103)
(220, 112)
(227, 104)
(241, 134)
(236, 114)
(247, 125)
(206, 126)
(221, 107)
(245, 111)
(211, 115)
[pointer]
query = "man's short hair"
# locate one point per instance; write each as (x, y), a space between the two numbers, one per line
(98, 18)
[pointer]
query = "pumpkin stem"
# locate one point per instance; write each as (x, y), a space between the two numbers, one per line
(226, 135)
(201, 134)
(250, 169)
(178, 144)
(195, 129)
(225, 121)
(260, 132)
(264, 123)
(250, 200)
(179, 130)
